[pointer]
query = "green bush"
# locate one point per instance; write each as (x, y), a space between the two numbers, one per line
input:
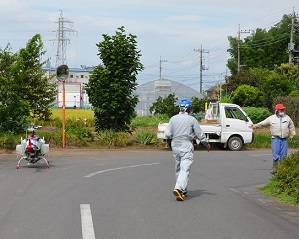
(145, 137)
(257, 114)
(80, 132)
(285, 183)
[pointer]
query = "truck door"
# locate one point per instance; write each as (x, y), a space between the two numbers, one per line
(235, 122)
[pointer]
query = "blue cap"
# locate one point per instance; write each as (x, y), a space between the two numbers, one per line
(186, 103)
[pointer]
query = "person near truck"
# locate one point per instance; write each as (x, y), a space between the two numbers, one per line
(180, 133)
(281, 125)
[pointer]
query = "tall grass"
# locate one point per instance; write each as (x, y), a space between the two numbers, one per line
(145, 137)
(113, 139)
(261, 140)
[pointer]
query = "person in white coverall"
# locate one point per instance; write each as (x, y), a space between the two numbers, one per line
(280, 127)
(181, 131)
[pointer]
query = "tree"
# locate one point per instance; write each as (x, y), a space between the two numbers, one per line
(29, 80)
(111, 85)
(291, 72)
(198, 105)
(274, 86)
(246, 95)
(14, 112)
(262, 48)
(165, 105)
(253, 77)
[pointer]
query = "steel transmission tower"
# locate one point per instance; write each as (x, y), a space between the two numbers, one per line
(64, 27)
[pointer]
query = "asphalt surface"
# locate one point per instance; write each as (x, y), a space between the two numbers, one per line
(128, 194)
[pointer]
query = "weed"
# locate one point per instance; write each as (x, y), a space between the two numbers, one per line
(111, 139)
(145, 137)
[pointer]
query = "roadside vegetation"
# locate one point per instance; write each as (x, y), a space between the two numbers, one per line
(285, 183)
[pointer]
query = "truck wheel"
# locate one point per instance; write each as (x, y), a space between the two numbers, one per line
(235, 143)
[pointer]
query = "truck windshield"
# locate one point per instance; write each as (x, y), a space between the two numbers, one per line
(234, 113)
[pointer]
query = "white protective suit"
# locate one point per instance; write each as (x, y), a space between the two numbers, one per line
(181, 130)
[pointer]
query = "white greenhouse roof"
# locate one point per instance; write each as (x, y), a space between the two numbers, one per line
(149, 92)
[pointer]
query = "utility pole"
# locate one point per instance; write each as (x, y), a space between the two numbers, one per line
(62, 40)
(239, 36)
(291, 45)
(161, 67)
(201, 68)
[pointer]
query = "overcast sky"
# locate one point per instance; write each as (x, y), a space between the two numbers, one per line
(172, 30)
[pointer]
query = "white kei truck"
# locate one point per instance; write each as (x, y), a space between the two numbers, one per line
(225, 124)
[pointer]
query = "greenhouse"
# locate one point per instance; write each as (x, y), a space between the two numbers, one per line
(149, 92)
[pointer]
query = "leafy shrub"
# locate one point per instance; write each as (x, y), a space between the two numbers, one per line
(257, 114)
(52, 138)
(145, 136)
(226, 99)
(80, 132)
(246, 95)
(199, 116)
(285, 183)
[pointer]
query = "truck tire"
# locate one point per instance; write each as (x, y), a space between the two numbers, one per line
(235, 143)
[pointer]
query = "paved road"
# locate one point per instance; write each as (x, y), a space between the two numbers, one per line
(123, 194)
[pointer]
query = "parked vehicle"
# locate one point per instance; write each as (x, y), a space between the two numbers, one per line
(225, 124)
(32, 149)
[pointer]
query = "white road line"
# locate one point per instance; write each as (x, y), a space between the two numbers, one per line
(113, 169)
(86, 221)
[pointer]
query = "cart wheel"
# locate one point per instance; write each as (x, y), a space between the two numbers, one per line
(17, 166)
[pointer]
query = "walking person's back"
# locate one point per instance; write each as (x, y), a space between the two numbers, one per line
(182, 129)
